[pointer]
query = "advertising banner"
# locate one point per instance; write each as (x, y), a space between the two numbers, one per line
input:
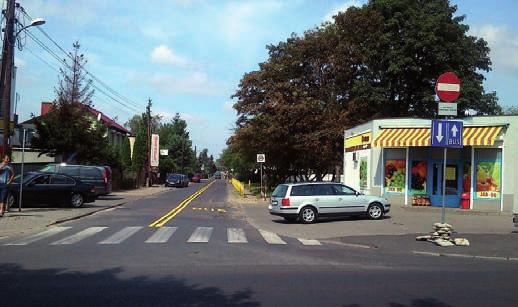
(418, 180)
(154, 150)
(395, 174)
(489, 179)
(358, 142)
(132, 144)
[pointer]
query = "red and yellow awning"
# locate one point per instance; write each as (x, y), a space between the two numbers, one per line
(419, 137)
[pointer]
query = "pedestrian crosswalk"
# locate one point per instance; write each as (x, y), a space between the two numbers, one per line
(111, 236)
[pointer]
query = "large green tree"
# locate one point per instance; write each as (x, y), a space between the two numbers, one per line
(68, 129)
(378, 60)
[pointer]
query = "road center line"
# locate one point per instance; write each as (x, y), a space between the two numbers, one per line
(172, 213)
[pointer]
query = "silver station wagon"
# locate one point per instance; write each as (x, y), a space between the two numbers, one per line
(309, 201)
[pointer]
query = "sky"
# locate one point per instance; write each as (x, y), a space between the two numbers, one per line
(188, 56)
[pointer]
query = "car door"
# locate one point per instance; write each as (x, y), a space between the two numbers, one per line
(61, 188)
(326, 199)
(37, 190)
(350, 200)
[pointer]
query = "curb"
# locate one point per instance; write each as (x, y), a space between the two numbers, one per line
(464, 256)
(454, 211)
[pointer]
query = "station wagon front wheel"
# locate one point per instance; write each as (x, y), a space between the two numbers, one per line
(308, 215)
(375, 211)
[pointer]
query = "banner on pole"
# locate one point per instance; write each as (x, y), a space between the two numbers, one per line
(154, 150)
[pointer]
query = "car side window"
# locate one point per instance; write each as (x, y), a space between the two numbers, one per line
(57, 179)
(45, 179)
(69, 170)
(344, 190)
(90, 172)
(323, 189)
(301, 190)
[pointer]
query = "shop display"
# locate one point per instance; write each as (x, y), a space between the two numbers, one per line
(363, 174)
(418, 180)
(488, 179)
(395, 174)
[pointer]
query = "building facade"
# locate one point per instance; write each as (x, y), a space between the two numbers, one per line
(394, 158)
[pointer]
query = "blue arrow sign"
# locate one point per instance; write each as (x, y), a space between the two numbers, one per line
(447, 133)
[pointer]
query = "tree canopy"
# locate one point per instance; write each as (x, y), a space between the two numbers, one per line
(378, 60)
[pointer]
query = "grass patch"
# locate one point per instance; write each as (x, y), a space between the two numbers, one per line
(255, 189)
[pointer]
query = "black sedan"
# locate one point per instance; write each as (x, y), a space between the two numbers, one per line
(177, 180)
(45, 188)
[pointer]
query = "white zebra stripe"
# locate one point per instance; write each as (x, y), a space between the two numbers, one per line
(79, 236)
(201, 235)
(162, 235)
(236, 235)
(270, 237)
(39, 236)
(309, 242)
(122, 235)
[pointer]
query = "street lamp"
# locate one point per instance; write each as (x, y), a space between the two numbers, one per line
(34, 23)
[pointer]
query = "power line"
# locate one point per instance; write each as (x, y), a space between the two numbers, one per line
(64, 63)
(114, 92)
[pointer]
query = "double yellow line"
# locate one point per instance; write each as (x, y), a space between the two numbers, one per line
(171, 214)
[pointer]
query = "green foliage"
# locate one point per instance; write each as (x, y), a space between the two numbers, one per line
(140, 148)
(125, 154)
(175, 138)
(379, 60)
(511, 110)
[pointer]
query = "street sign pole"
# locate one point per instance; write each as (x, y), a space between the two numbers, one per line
(21, 175)
(443, 211)
(262, 192)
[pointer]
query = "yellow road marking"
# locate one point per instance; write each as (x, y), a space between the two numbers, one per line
(171, 214)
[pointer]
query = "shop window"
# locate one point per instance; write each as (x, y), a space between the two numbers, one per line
(489, 179)
(395, 174)
(418, 179)
(451, 180)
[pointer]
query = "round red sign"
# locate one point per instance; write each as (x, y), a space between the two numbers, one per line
(448, 87)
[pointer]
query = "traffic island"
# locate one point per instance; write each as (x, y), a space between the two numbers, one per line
(442, 236)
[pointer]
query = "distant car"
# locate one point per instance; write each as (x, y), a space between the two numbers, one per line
(217, 175)
(99, 176)
(309, 201)
(177, 180)
(196, 178)
(44, 188)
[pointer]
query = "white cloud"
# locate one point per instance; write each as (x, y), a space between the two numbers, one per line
(341, 8)
(503, 44)
(164, 55)
(192, 83)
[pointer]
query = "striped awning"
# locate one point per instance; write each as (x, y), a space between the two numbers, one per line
(419, 137)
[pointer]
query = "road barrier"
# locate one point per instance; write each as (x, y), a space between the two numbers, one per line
(239, 186)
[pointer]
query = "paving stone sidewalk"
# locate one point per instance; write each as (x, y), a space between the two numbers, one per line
(32, 220)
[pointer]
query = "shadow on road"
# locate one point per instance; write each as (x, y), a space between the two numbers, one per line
(59, 287)
(325, 220)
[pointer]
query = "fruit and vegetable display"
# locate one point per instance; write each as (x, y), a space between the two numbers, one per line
(488, 179)
(395, 175)
(418, 180)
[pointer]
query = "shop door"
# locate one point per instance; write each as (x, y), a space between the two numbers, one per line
(453, 185)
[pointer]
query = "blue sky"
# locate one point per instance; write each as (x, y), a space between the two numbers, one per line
(189, 55)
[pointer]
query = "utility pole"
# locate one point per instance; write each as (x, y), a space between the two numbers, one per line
(6, 75)
(148, 143)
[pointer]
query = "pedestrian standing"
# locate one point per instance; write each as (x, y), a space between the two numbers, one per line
(6, 176)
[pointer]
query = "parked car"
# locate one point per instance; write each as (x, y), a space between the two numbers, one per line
(217, 175)
(196, 178)
(177, 180)
(45, 188)
(99, 176)
(310, 201)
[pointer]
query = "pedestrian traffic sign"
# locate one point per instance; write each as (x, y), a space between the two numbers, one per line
(447, 133)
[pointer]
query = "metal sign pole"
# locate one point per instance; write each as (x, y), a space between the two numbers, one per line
(21, 175)
(443, 213)
(262, 180)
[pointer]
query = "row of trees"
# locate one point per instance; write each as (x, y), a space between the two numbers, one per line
(375, 61)
(71, 132)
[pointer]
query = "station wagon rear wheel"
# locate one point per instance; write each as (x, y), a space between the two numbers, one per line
(76, 201)
(308, 215)
(10, 201)
(375, 211)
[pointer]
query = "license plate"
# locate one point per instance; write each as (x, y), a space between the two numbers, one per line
(275, 203)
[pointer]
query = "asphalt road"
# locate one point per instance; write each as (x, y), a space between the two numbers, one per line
(208, 255)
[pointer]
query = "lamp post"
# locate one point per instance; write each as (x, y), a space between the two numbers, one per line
(21, 175)
(6, 74)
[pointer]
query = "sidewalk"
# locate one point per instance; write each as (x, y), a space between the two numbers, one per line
(32, 220)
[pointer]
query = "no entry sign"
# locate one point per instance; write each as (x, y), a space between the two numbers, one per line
(448, 87)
